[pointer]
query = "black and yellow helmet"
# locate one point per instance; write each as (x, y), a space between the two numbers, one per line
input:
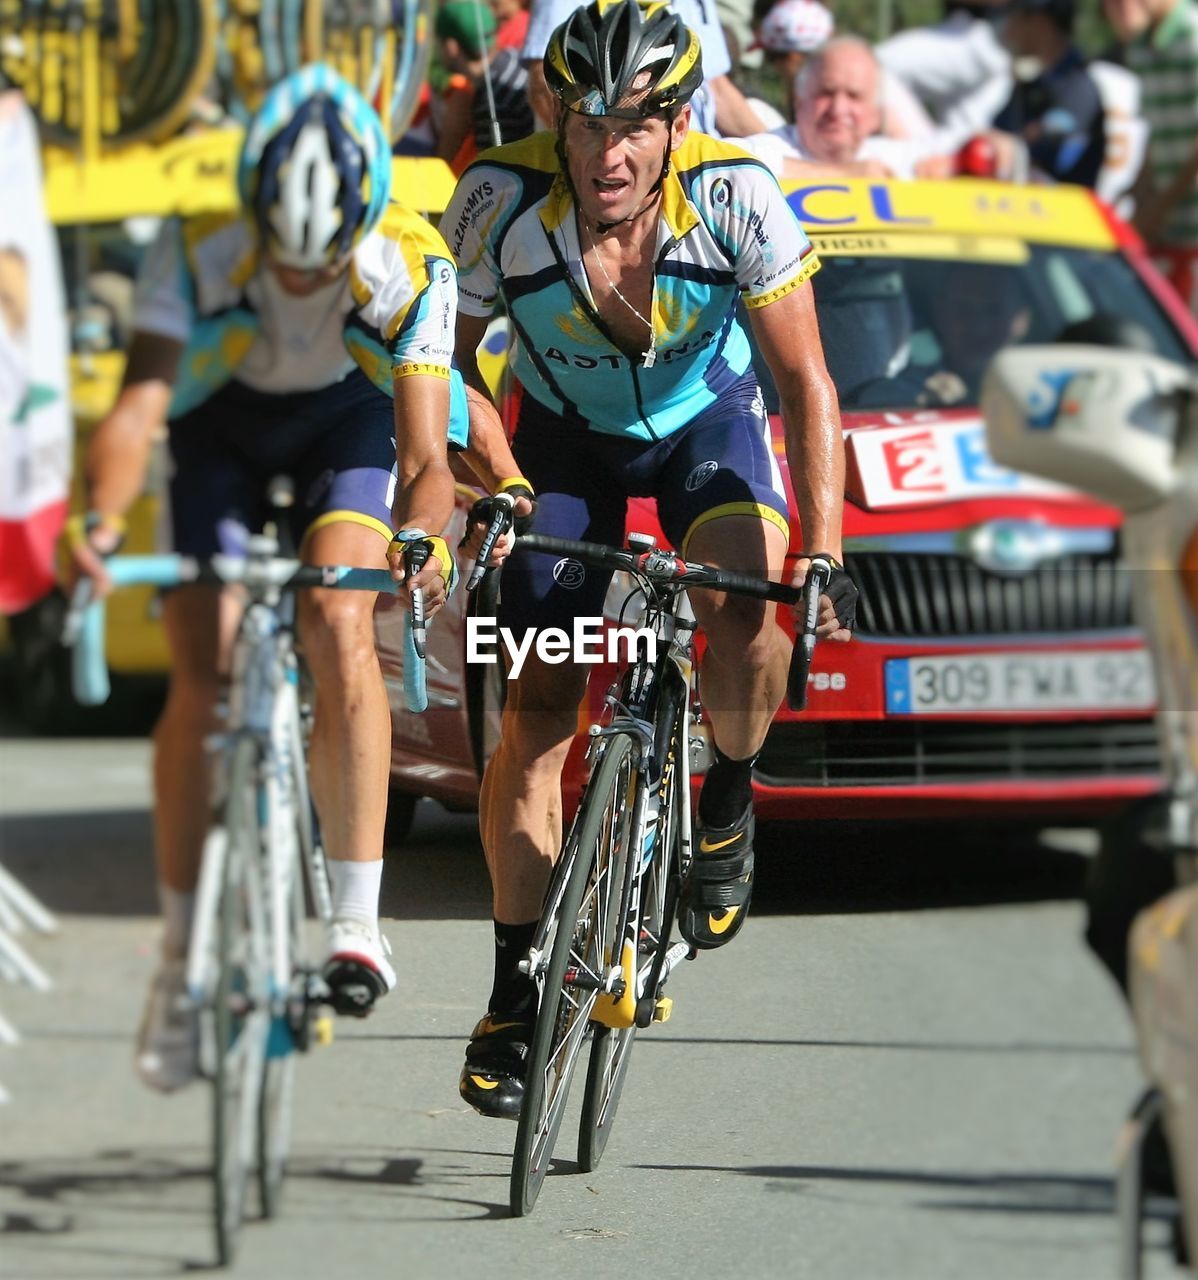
(626, 58)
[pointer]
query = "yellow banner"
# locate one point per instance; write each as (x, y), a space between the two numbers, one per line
(191, 175)
(1044, 215)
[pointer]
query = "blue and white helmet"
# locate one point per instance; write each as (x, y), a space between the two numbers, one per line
(315, 169)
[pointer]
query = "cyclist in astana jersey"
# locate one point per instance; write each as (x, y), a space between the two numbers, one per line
(620, 247)
(310, 335)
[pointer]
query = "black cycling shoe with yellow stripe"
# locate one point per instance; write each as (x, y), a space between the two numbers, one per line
(492, 1080)
(716, 892)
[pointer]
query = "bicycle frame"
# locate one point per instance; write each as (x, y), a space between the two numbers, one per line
(263, 707)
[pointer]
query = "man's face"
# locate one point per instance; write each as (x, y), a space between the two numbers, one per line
(614, 163)
(839, 106)
(1128, 18)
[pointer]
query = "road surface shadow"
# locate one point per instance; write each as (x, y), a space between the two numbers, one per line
(79, 1196)
(100, 863)
(1016, 1193)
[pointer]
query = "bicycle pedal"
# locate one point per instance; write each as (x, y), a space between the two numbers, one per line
(662, 1009)
(323, 1032)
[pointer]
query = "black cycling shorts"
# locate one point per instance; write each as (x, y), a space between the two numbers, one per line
(722, 463)
(337, 444)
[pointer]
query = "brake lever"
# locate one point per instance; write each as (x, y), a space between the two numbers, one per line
(415, 557)
(819, 574)
(502, 507)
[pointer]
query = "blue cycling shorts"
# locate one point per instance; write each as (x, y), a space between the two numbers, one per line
(722, 463)
(337, 445)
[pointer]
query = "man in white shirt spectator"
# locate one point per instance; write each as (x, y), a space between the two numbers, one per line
(959, 69)
(838, 112)
(719, 108)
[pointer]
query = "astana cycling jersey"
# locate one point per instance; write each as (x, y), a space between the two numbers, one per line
(725, 232)
(205, 285)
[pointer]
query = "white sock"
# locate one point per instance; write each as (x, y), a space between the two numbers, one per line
(356, 888)
(178, 908)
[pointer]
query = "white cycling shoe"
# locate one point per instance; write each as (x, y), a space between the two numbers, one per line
(357, 970)
(168, 1041)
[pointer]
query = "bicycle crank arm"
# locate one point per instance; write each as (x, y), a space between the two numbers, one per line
(655, 1007)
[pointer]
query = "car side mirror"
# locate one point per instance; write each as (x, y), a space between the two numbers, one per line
(1099, 419)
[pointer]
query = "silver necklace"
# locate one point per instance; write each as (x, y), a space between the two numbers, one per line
(651, 355)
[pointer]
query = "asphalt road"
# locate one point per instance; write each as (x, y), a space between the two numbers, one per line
(906, 1067)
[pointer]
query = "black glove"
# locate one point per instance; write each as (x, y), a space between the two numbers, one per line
(842, 592)
(483, 511)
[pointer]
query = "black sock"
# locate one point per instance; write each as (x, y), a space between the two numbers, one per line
(727, 790)
(513, 992)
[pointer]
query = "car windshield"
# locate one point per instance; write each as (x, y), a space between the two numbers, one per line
(918, 332)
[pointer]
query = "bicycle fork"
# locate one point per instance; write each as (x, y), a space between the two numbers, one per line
(631, 994)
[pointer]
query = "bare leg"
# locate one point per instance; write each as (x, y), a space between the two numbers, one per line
(201, 623)
(520, 812)
(743, 675)
(350, 754)
(350, 763)
(742, 682)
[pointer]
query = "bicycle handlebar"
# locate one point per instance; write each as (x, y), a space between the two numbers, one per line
(85, 623)
(664, 566)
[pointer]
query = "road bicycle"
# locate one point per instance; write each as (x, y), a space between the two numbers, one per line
(602, 951)
(252, 980)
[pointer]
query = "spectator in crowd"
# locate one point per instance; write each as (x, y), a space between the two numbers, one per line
(793, 29)
(1162, 49)
(958, 68)
(485, 101)
(1057, 115)
(1126, 131)
(789, 33)
(718, 108)
(512, 19)
(838, 112)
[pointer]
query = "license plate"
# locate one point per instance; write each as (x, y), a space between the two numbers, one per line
(1016, 683)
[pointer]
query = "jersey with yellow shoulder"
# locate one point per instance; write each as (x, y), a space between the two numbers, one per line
(205, 284)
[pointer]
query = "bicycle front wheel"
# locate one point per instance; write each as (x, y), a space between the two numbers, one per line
(580, 938)
(296, 862)
(238, 1013)
(611, 1047)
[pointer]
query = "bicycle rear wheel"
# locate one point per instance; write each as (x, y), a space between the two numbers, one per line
(611, 1047)
(578, 935)
(238, 1011)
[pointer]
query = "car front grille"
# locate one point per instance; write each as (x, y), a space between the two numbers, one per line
(923, 752)
(950, 595)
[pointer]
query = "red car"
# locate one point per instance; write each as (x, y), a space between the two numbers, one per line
(995, 667)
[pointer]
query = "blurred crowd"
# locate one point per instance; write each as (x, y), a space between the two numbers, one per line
(996, 88)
